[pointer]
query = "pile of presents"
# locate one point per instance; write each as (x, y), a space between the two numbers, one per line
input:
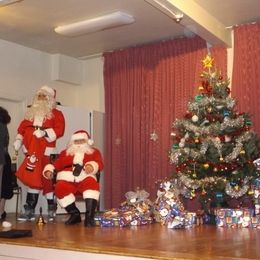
(138, 210)
(169, 210)
(135, 211)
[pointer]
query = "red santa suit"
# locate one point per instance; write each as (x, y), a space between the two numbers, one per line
(68, 184)
(38, 150)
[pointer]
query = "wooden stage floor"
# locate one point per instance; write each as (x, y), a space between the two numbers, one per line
(152, 241)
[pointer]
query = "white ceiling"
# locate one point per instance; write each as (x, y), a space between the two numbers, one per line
(31, 23)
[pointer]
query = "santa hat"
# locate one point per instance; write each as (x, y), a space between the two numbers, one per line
(50, 91)
(82, 134)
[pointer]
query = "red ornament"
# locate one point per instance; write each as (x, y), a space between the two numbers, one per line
(188, 115)
(228, 90)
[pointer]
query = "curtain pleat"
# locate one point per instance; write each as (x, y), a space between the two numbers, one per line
(246, 71)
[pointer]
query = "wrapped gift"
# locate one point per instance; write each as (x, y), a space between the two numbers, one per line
(135, 211)
(256, 193)
(234, 218)
(255, 221)
(168, 208)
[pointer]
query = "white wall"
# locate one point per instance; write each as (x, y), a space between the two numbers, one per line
(24, 70)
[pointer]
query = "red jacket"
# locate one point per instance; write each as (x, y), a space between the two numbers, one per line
(64, 166)
(54, 128)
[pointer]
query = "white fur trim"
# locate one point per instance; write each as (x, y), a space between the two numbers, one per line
(19, 137)
(49, 196)
(66, 201)
(94, 165)
(51, 135)
(78, 136)
(68, 176)
(38, 120)
(34, 191)
(91, 194)
(50, 150)
(48, 167)
(90, 142)
(78, 158)
(47, 89)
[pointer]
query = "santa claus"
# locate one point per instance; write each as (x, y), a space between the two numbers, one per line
(76, 169)
(42, 125)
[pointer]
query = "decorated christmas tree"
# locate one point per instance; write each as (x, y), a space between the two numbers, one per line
(214, 147)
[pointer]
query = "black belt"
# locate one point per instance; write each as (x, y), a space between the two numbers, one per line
(36, 127)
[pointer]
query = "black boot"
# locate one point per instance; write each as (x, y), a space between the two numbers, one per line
(74, 214)
(52, 207)
(91, 205)
(29, 207)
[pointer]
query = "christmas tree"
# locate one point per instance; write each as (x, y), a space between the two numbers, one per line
(214, 147)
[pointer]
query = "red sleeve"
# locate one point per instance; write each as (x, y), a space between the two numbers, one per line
(22, 127)
(60, 163)
(59, 125)
(98, 159)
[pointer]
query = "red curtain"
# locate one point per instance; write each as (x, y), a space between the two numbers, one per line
(219, 54)
(146, 89)
(246, 71)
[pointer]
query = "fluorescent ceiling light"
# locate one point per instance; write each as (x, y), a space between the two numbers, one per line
(8, 2)
(95, 24)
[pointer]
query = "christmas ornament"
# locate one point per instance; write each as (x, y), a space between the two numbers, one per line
(227, 138)
(251, 192)
(198, 97)
(153, 136)
(208, 62)
(181, 145)
(219, 107)
(209, 109)
(196, 140)
(173, 134)
(175, 146)
(206, 166)
(195, 118)
(226, 113)
(257, 163)
(248, 122)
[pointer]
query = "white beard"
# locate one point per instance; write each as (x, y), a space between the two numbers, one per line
(77, 149)
(40, 108)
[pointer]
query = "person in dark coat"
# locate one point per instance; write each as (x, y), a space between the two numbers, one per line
(6, 190)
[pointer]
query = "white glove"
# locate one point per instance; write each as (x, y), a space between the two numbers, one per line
(17, 144)
(39, 133)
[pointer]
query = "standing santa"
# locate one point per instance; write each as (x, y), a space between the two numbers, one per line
(37, 133)
(76, 170)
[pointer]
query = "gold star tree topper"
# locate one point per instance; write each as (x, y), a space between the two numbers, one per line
(208, 62)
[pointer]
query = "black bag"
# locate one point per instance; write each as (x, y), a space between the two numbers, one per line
(8, 179)
(16, 233)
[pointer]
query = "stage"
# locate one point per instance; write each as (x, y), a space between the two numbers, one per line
(54, 240)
